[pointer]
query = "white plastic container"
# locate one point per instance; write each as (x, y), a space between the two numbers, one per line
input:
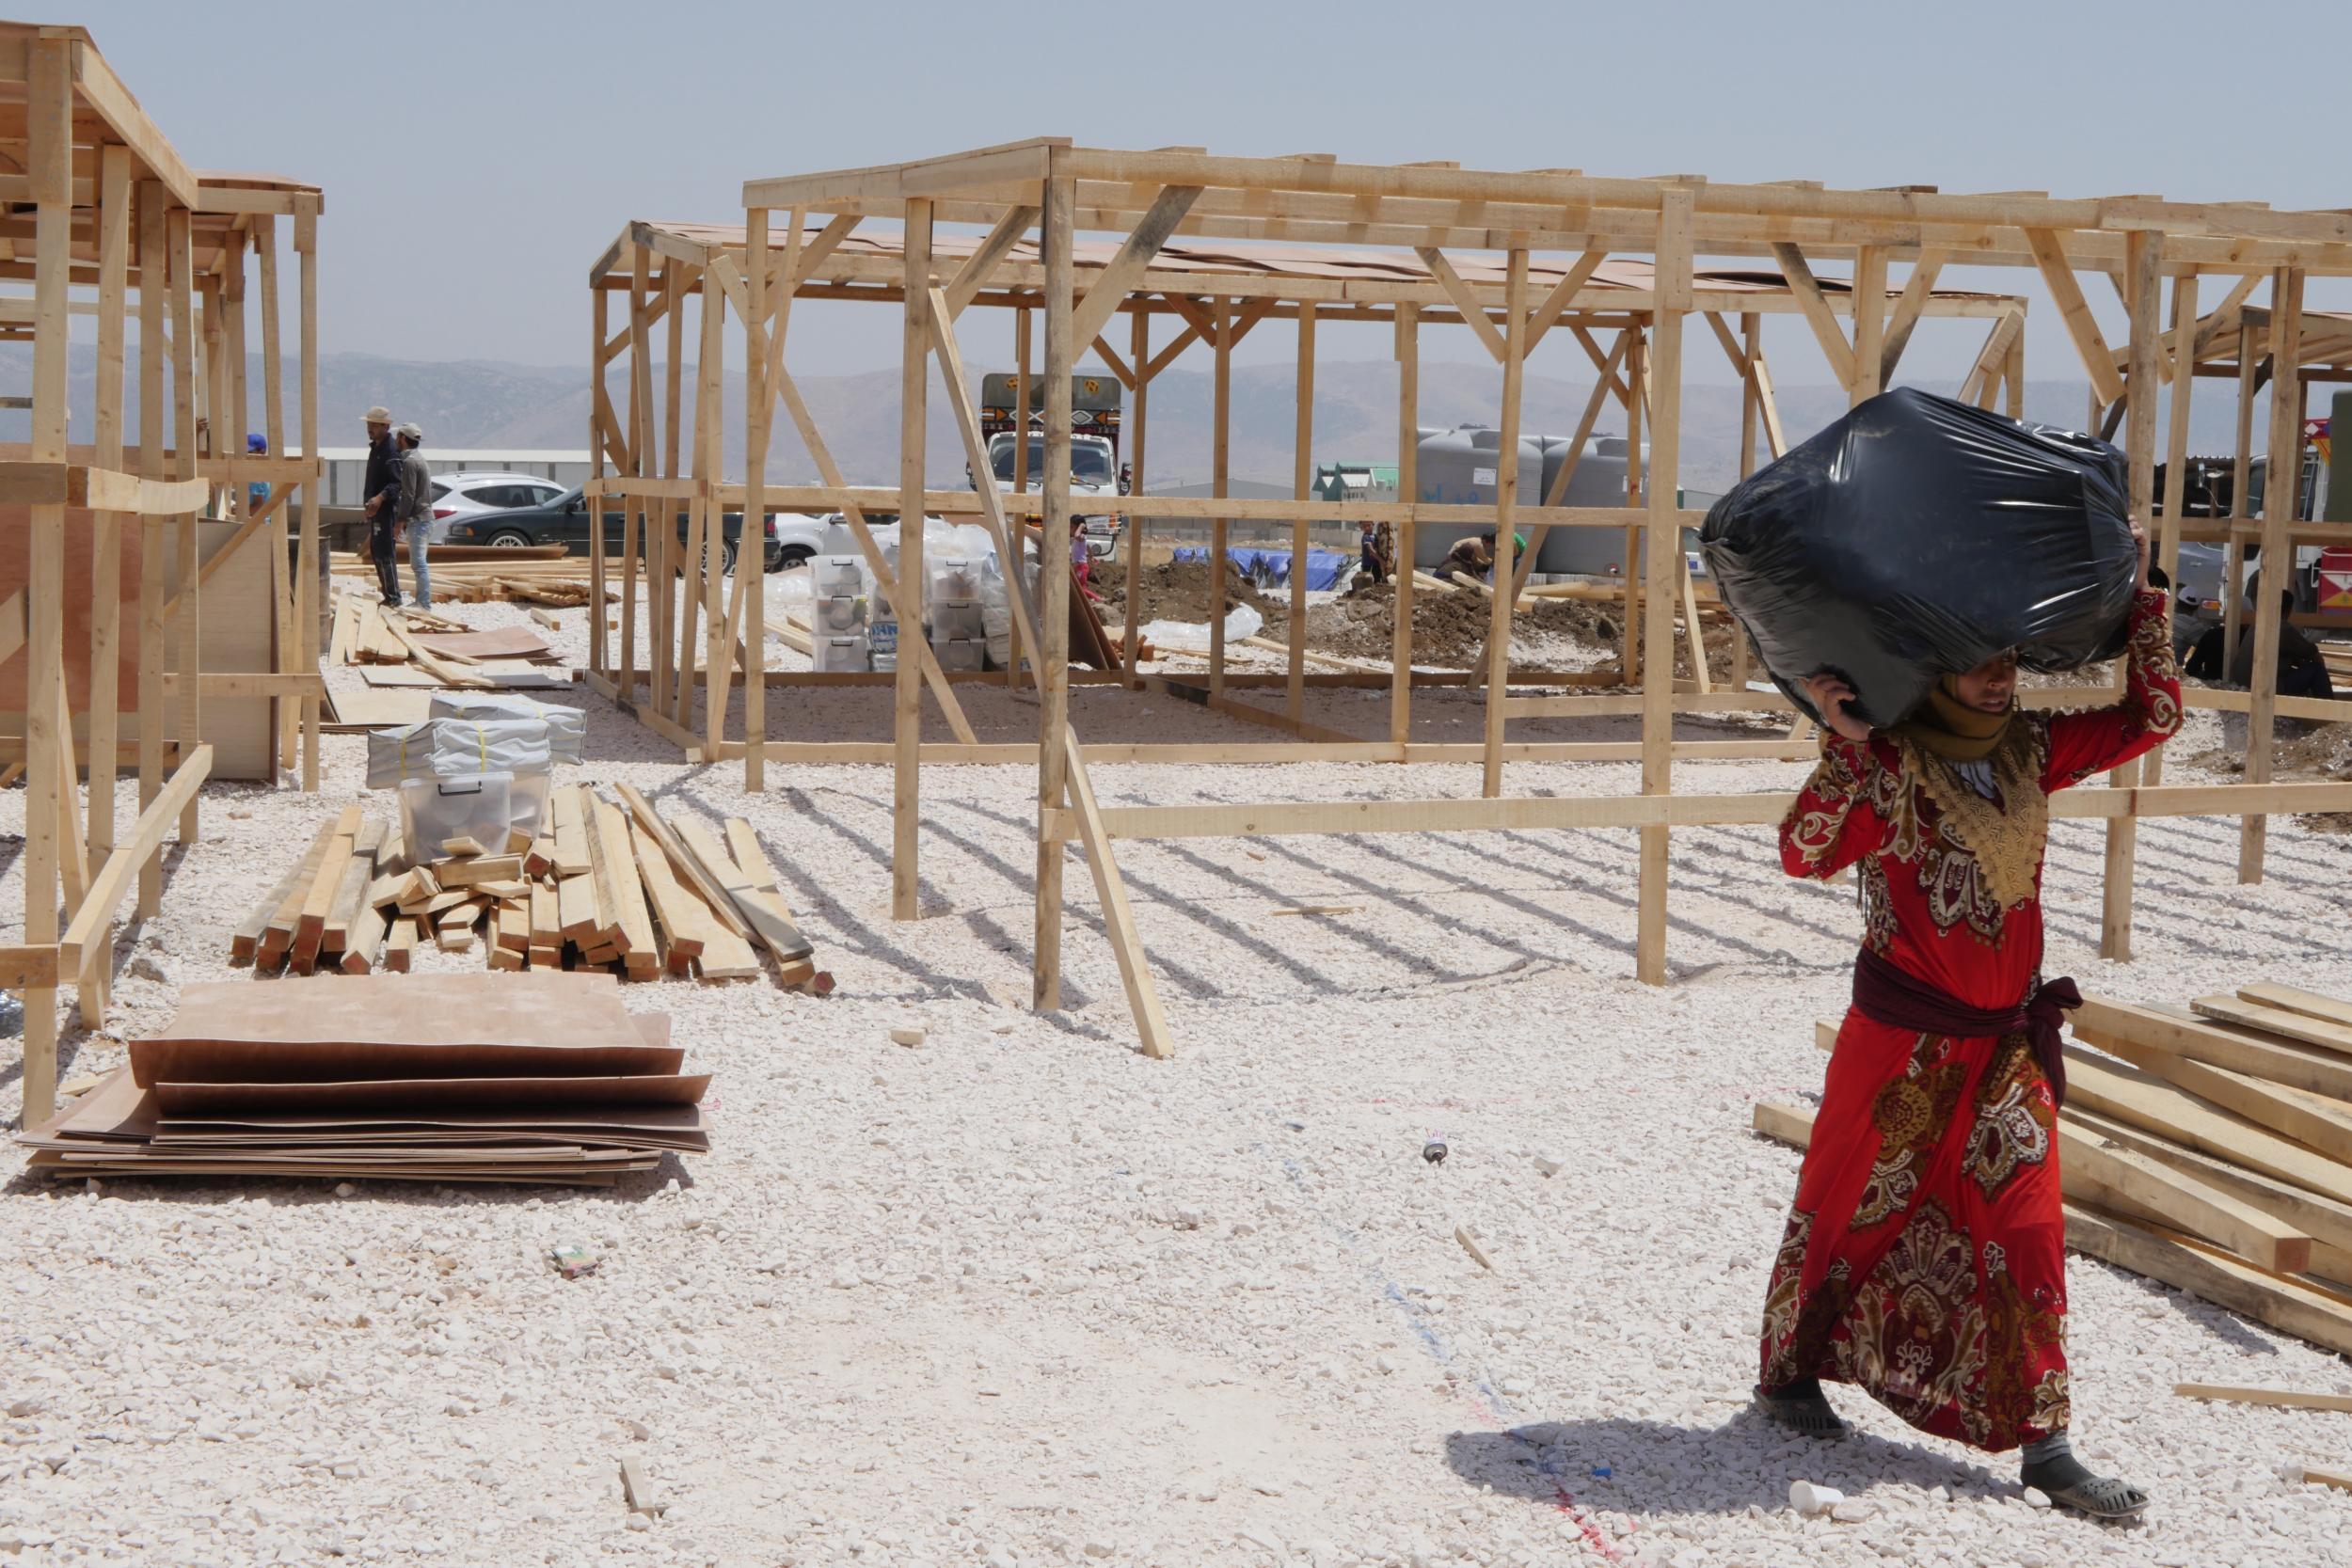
(479, 806)
(836, 656)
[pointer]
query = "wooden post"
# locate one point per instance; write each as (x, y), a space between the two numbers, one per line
(1139, 345)
(598, 321)
(2281, 490)
(2241, 488)
(1302, 480)
(1630, 649)
(1220, 452)
(906, 814)
(1052, 659)
(1021, 348)
(113, 223)
(48, 736)
(2015, 406)
(758, 410)
(2143, 254)
(154, 293)
(1751, 408)
(1408, 492)
(673, 628)
(1673, 286)
(286, 710)
(1870, 323)
(305, 242)
(1506, 502)
(2168, 539)
(183, 391)
(632, 506)
(708, 564)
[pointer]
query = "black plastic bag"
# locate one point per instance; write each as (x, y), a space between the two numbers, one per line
(1919, 536)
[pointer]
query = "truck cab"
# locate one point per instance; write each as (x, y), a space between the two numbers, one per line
(1096, 479)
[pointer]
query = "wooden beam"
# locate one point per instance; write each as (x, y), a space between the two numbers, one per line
(1907, 310)
(1010, 229)
(907, 720)
(1473, 309)
(2279, 503)
(1119, 921)
(1053, 651)
(1664, 561)
(1579, 272)
(2057, 274)
(1818, 314)
(1111, 285)
(1507, 497)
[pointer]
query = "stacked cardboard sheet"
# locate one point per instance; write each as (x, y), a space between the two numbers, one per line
(480, 1077)
(2209, 1148)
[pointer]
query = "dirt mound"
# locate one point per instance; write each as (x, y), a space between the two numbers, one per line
(1173, 591)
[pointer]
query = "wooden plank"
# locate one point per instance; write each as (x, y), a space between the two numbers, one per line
(744, 848)
(2293, 999)
(2144, 1101)
(1663, 564)
(246, 941)
(2057, 274)
(906, 810)
(400, 943)
(1907, 311)
(86, 939)
(1817, 311)
(2280, 1399)
(2113, 1175)
(675, 842)
(1051, 655)
(618, 864)
(2247, 1050)
(710, 865)
(514, 925)
(310, 919)
(684, 918)
(1111, 285)
(351, 893)
(1473, 311)
(1119, 921)
(2321, 1032)
(1302, 475)
(1407, 350)
(467, 870)
(2313, 1120)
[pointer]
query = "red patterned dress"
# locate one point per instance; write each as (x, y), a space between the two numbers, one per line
(1924, 1257)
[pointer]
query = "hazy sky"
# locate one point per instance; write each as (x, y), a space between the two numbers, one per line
(476, 157)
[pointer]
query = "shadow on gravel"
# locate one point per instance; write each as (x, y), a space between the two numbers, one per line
(1646, 1468)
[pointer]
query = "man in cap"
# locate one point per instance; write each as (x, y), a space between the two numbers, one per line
(382, 491)
(413, 507)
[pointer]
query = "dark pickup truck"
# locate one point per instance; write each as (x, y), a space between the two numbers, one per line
(565, 521)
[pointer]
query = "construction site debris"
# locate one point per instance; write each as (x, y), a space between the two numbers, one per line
(582, 886)
(548, 1079)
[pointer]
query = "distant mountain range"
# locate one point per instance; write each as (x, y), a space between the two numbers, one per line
(483, 405)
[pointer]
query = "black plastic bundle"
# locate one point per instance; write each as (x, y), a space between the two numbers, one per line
(1919, 536)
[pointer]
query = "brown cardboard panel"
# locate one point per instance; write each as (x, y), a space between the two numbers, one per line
(498, 643)
(353, 1026)
(347, 1097)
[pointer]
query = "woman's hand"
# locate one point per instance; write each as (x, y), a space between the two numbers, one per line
(1832, 696)
(2139, 542)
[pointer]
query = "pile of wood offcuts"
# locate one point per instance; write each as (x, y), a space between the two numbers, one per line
(542, 1078)
(546, 575)
(604, 888)
(2208, 1148)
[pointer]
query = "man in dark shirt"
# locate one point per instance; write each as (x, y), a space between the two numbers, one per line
(2302, 672)
(381, 491)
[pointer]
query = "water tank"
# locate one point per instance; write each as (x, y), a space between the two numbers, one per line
(1599, 480)
(1460, 467)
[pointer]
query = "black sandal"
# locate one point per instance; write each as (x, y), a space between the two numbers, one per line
(2068, 1484)
(1801, 1407)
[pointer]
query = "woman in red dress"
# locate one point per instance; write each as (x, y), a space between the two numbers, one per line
(1924, 1260)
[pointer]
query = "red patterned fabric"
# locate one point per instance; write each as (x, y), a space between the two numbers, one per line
(1924, 1257)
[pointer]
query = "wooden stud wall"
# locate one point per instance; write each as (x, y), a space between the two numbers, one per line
(1035, 197)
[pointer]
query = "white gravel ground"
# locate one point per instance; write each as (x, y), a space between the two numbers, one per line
(1021, 1296)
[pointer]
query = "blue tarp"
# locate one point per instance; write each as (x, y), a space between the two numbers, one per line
(1326, 569)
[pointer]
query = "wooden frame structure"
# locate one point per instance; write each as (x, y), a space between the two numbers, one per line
(105, 203)
(1151, 200)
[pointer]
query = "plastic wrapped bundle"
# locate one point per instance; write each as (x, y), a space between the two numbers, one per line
(567, 727)
(1919, 536)
(446, 748)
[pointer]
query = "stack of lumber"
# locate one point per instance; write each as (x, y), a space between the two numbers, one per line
(2210, 1149)
(453, 1078)
(366, 632)
(2338, 657)
(543, 576)
(612, 887)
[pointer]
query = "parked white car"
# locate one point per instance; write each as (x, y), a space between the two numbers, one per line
(458, 494)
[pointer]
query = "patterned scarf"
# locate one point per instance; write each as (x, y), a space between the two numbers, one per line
(1950, 728)
(2006, 834)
